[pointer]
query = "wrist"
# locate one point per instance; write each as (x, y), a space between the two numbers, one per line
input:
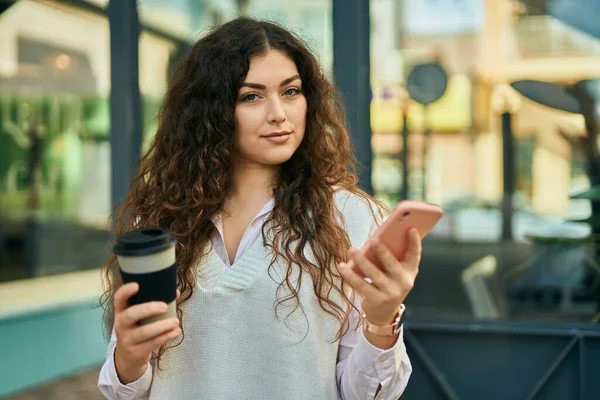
(384, 325)
(384, 319)
(381, 320)
(127, 371)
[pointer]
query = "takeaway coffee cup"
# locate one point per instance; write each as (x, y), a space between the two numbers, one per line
(147, 256)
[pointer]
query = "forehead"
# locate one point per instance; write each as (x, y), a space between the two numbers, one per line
(271, 68)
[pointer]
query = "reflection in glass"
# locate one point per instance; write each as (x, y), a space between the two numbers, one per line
(54, 150)
(188, 19)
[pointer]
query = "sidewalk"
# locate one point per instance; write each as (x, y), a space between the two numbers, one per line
(76, 387)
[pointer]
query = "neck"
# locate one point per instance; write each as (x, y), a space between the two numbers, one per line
(252, 182)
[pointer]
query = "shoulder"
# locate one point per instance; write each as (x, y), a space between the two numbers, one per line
(360, 215)
(352, 203)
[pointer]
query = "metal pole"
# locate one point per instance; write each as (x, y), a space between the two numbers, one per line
(351, 60)
(125, 107)
(426, 137)
(508, 172)
(404, 155)
(36, 147)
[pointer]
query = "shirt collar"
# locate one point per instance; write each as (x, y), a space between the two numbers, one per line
(264, 211)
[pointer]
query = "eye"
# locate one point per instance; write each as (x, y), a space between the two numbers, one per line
(249, 98)
(291, 92)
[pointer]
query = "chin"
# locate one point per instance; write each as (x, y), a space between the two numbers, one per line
(277, 160)
(277, 157)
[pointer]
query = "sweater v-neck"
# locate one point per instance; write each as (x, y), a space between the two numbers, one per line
(215, 275)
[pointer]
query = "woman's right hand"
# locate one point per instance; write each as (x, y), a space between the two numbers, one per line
(135, 343)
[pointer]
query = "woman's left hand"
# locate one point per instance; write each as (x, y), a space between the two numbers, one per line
(382, 298)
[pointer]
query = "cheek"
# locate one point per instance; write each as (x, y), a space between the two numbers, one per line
(247, 124)
(298, 114)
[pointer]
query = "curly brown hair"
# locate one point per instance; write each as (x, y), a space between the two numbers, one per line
(184, 177)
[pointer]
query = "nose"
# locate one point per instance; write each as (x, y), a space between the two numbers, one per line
(276, 113)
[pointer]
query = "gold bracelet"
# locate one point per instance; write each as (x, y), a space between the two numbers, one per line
(384, 330)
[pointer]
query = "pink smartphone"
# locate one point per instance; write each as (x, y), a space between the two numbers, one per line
(393, 232)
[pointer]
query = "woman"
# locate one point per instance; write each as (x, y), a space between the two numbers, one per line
(251, 171)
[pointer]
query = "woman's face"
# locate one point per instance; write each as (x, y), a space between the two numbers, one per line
(270, 113)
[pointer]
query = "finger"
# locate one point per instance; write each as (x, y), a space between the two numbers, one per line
(370, 270)
(123, 294)
(357, 282)
(150, 331)
(413, 251)
(389, 261)
(133, 314)
(405, 278)
(178, 293)
(161, 340)
(352, 265)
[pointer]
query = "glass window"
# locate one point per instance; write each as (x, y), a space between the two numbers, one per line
(54, 149)
(180, 18)
(188, 20)
(503, 158)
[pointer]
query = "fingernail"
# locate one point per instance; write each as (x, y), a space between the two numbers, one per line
(163, 307)
(376, 241)
(353, 250)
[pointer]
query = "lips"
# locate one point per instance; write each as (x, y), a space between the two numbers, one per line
(277, 134)
(278, 137)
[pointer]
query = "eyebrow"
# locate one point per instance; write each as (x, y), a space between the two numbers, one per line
(259, 86)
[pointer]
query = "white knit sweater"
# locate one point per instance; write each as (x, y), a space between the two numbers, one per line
(237, 346)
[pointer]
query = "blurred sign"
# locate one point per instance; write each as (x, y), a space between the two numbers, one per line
(451, 113)
(426, 83)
